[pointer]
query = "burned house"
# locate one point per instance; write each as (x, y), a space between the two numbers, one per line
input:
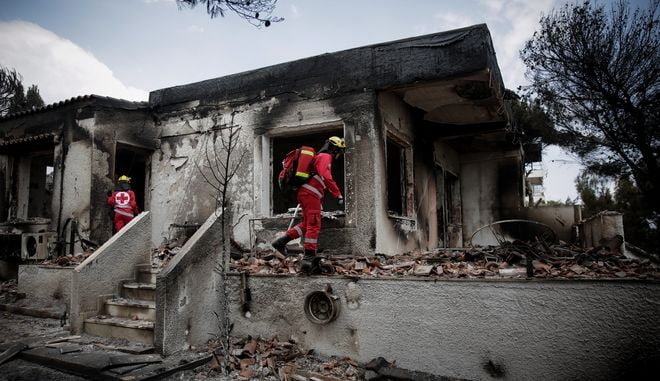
(430, 151)
(431, 157)
(57, 164)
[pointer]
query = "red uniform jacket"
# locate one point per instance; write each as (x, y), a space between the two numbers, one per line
(124, 202)
(323, 177)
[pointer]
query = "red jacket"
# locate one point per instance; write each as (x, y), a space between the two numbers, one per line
(124, 202)
(323, 177)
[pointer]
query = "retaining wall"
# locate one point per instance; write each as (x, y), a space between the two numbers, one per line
(556, 330)
(187, 292)
(46, 285)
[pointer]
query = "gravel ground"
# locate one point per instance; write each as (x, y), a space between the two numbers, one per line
(16, 327)
(20, 370)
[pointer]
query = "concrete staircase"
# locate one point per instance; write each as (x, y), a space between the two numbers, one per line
(132, 315)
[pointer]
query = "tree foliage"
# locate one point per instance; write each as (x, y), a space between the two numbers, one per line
(256, 12)
(13, 97)
(596, 72)
(531, 121)
(594, 193)
(10, 81)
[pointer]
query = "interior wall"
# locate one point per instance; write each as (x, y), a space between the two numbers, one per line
(490, 188)
(417, 228)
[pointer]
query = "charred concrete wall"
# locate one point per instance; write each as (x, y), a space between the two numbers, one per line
(189, 293)
(491, 189)
(182, 193)
(560, 218)
(46, 285)
(514, 330)
(416, 226)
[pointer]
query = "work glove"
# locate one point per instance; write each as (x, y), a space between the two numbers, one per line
(340, 201)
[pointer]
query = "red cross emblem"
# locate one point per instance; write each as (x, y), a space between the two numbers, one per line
(122, 198)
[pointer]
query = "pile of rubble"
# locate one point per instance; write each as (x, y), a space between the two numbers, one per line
(514, 259)
(8, 291)
(279, 360)
(163, 254)
(68, 260)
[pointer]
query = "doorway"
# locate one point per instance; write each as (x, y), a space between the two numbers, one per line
(448, 201)
(135, 163)
(282, 201)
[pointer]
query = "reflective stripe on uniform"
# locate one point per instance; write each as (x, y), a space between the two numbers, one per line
(123, 213)
(313, 190)
(310, 240)
(320, 180)
(302, 174)
(297, 229)
(123, 206)
(306, 152)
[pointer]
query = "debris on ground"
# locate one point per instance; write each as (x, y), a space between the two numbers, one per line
(8, 286)
(163, 254)
(510, 259)
(9, 292)
(276, 360)
(68, 260)
(327, 215)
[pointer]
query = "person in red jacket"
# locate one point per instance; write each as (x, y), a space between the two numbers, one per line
(310, 196)
(123, 202)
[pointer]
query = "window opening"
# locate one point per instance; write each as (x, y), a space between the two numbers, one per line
(40, 191)
(282, 200)
(396, 178)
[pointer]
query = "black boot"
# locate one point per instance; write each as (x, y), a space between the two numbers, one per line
(280, 244)
(308, 264)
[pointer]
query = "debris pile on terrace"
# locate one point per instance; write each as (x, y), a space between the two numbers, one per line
(278, 360)
(163, 254)
(68, 260)
(514, 259)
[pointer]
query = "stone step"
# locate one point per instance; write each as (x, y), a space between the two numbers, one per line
(141, 331)
(130, 308)
(139, 291)
(147, 276)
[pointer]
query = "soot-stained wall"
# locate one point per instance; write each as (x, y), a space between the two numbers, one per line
(181, 192)
(515, 330)
(490, 189)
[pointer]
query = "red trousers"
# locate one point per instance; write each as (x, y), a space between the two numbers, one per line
(310, 226)
(121, 221)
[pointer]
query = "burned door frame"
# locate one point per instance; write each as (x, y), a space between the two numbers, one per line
(144, 152)
(448, 205)
(406, 174)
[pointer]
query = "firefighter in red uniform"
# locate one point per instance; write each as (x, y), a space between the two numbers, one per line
(310, 196)
(123, 202)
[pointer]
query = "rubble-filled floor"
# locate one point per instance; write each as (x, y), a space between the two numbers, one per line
(275, 359)
(510, 260)
(45, 346)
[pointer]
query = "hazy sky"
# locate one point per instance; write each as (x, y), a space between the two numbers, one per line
(126, 48)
